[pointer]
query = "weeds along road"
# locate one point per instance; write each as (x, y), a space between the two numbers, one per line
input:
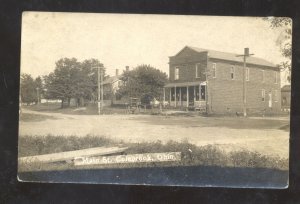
(262, 135)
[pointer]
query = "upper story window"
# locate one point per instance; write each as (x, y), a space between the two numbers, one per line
(176, 73)
(275, 77)
(263, 95)
(263, 75)
(214, 70)
(232, 72)
(247, 74)
(198, 70)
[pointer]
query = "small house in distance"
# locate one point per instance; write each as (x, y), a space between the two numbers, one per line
(286, 98)
(213, 81)
(110, 87)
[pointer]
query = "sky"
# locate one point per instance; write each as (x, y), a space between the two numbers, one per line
(120, 40)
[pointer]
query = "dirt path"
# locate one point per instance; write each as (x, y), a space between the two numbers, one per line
(147, 128)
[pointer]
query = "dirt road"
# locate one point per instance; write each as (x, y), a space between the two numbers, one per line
(264, 135)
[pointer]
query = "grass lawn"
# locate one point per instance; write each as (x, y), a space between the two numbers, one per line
(31, 117)
(192, 155)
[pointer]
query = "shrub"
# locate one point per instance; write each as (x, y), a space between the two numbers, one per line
(209, 155)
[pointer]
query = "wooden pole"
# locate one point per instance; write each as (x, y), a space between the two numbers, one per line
(244, 88)
(194, 94)
(187, 96)
(175, 97)
(164, 97)
(99, 105)
(199, 92)
(170, 99)
(180, 99)
(245, 55)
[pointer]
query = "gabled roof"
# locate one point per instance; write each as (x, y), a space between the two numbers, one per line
(286, 88)
(231, 56)
(112, 79)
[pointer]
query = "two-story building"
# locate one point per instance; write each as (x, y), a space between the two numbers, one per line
(213, 81)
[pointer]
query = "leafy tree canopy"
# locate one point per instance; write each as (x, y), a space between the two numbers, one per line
(72, 79)
(284, 40)
(28, 88)
(141, 81)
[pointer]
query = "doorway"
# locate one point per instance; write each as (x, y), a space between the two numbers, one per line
(191, 90)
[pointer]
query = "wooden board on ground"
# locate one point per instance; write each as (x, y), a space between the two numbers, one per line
(69, 155)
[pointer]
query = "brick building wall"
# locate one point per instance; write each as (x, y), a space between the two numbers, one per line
(225, 95)
(186, 62)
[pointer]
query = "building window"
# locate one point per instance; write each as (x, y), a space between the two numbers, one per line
(198, 70)
(263, 75)
(176, 73)
(275, 77)
(202, 91)
(247, 74)
(214, 70)
(263, 95)
(232, 72)
(275, 96)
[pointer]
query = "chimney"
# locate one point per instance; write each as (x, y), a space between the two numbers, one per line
(117, 72)
(127, 68)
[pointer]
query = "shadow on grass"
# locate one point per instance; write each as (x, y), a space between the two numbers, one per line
(179, 176)
(226, 122)
(31, 117)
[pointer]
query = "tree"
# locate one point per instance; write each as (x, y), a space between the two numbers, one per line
(28, 89)
(284, 40)
(90, 77)
(60, 83)
(142, 81)
(39, 88)
(72, 79)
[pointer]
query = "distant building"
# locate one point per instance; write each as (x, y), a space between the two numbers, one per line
(286, 97)
(110, 87)
(213, 80)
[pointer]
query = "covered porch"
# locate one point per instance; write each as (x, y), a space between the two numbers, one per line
(186, 94)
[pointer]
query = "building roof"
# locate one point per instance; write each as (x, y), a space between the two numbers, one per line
(111, 79)
(286, 88)
(232, 57)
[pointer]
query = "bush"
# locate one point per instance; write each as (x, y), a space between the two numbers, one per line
(209, 155)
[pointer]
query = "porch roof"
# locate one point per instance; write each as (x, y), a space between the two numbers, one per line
(184, 84)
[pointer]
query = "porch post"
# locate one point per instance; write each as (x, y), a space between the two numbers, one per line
(164, 97)
(187, 96)
(180, 96)
(194, 94)
(170, 95)
(199, 92)
(175, 97)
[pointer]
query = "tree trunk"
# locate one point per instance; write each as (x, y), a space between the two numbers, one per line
(69, 101)
(82, 102)
(62, 103)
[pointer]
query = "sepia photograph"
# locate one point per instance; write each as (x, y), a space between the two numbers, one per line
(142, 99)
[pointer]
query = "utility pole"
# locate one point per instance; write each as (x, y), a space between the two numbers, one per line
(100, 79)
(38, 95)
(206, 85)
(245, 55)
